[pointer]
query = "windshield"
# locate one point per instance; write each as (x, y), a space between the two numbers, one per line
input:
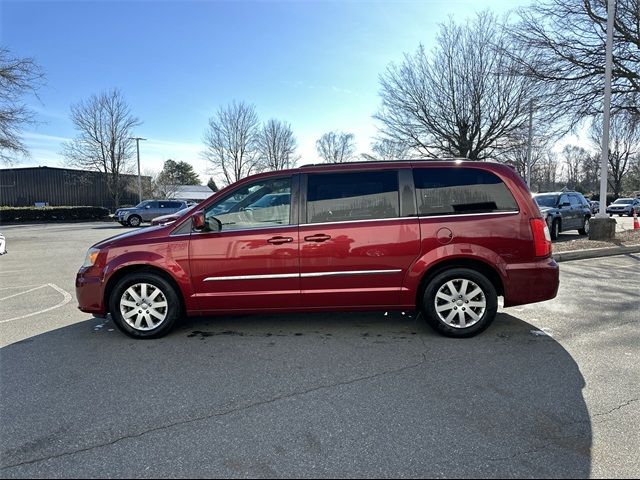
(623, 201)
(143, 204)
(546, 200)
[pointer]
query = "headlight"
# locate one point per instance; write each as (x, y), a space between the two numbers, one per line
(92, 256)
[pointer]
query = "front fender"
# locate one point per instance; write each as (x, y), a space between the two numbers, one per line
(169, 264)
(431, 259)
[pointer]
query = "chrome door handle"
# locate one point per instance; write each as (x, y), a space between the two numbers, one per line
(280, 240)
(320, 237)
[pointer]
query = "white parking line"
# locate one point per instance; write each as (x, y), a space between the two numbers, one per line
(21, 286)
(65, 300)
(22, 293)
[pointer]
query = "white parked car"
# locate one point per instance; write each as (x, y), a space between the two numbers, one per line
(3, 244)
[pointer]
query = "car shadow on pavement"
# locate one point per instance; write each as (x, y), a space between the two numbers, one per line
(322, 395)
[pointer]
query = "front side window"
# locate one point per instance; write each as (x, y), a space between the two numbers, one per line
(459, 191)
(254, 206)
(339, 197)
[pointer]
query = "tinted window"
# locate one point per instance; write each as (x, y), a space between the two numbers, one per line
(575, 201)
(337, 197)
(564, 199)
(456, 191)
(238, 211)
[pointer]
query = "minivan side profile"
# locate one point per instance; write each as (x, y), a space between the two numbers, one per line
(446, 238)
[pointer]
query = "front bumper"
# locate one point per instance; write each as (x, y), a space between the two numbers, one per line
(90, 292)
(531, 282)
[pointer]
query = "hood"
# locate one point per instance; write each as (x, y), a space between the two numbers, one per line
(544, 210)
(128, 209)
(147, 232)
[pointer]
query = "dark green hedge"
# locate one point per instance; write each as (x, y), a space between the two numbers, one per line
(51, 214)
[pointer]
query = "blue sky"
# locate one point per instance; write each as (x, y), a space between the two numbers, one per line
(314, 64)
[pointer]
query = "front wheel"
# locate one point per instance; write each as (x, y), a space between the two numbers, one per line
(585, 227)
(134, 221)
(460, 302)
(144, 305)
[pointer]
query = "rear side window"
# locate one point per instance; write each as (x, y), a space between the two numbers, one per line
(458, 191)
(337, 197)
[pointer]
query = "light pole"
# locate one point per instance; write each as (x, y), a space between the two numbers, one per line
(611, 12)
(137, 139)
(602, 227)
(529, 141)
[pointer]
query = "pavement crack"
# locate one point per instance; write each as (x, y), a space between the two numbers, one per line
(223, 413)
(622, 405)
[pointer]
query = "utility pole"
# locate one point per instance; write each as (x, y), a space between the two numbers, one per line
(529, 141)
(603, 227)
(137, 139)
(606, 122)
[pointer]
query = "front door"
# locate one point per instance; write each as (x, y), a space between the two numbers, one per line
(252, 263)
(354, 246)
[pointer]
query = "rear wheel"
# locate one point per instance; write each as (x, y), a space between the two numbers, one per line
(134, 221)
(585, 227)
(460, 302)
(144, 305)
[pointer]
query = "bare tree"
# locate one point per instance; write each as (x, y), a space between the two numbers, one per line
(336, 147)
(388, 149)
(564, 46)
(574, 159)
(105, 126)
(18, 76)
(545, 175)
(277, 145)
(232, 142)
(624, 146)
(515, 152)
(462, 100)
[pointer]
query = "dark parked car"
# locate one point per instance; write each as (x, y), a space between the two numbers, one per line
(624, 206)
(146, 211)
(445, 238)
(564, 211)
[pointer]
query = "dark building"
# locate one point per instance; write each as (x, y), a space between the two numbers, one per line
(23, 187)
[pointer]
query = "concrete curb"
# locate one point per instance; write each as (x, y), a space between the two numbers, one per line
(594, 253)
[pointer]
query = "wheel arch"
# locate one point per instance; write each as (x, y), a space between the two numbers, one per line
(141, 268)
(462, 262)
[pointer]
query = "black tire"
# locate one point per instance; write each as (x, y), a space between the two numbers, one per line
(585, 227)
(173, 309)
(453, 274)
(134, 221)
(620, 214)
(555, 229)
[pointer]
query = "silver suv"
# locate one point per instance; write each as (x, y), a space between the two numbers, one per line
(147, 211)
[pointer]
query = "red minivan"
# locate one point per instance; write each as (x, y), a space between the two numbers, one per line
(442, 237)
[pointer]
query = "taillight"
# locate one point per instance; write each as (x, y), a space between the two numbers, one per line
(541, 237)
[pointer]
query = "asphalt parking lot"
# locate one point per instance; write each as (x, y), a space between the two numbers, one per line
(549, 390)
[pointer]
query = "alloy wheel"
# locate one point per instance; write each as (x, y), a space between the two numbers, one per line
(460, 303)
(143, 306)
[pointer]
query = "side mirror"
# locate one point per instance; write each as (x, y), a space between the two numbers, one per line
(565, 204)
(197, 220)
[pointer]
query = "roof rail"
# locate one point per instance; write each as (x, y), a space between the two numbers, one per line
(366, 162)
